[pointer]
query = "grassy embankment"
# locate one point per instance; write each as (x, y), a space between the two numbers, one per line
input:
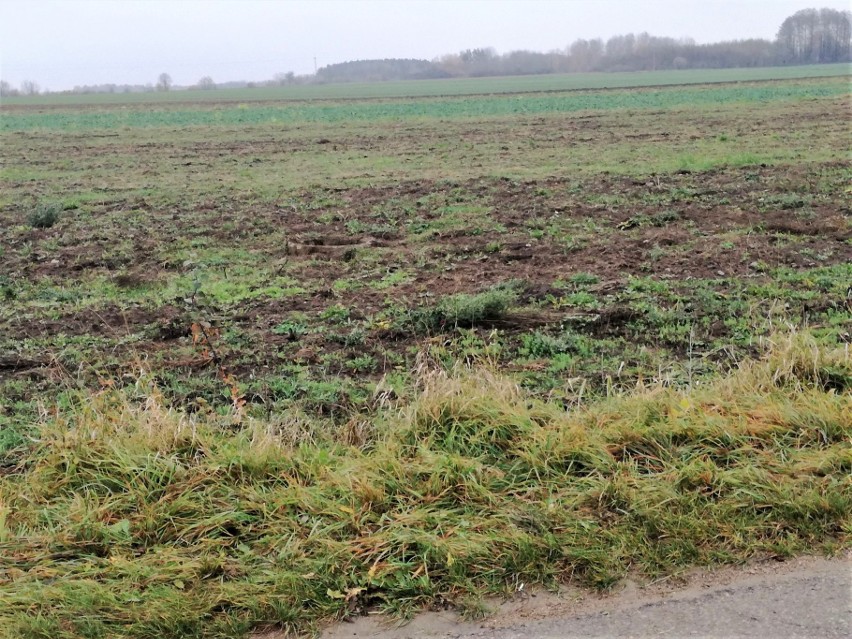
(130, 519)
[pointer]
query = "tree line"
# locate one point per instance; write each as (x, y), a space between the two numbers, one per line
(809, 36)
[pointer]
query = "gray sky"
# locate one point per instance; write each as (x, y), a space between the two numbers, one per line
(62, 43)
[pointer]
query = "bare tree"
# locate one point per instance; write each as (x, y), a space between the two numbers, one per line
(28, 87)
(283, 79)
(206, 83)
(812, 35)
(586, 55)
(164, 82)
(6, 89)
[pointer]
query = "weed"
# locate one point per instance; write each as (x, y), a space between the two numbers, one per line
(786, 201)
(362, 364)
(580, 299)
(7, 288)
(656, 219)
(12, 437)
(470, 310)
(540, 345)
(392, 279)
(45, 214)
(584, 279)
(204, 337)
(355, 337)
(292, 330)
(336, 314)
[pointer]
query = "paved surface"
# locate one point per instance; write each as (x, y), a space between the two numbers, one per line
(813, 605)
(804, 598)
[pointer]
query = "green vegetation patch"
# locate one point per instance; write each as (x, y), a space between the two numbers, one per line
(368, 111)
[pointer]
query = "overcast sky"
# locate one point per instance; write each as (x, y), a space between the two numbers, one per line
(62, 43)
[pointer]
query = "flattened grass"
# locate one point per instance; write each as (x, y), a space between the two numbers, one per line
(130, 519)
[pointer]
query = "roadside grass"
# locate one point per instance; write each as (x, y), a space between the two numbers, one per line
(122, 517)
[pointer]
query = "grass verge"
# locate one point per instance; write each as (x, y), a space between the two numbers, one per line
(129, 519)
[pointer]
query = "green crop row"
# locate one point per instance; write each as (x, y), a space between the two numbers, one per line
(477, 107)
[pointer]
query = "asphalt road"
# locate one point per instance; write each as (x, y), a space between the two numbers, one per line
(803, 598)
(810, 605)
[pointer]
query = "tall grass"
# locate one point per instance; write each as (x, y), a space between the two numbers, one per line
(129, 519)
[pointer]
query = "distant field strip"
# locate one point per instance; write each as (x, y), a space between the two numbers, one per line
(457, 107)
(454, 86)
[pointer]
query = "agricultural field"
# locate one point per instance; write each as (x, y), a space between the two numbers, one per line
(448, 87)
(268, 364)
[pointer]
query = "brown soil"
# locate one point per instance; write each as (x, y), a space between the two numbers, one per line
(726, 223)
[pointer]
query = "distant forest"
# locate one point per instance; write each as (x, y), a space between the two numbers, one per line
(810, 36)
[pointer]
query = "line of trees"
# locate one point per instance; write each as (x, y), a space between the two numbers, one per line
(28, 87)
(381, 70)
(815, 36)
(808, 36)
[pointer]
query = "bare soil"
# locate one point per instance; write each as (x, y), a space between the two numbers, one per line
(719, 206)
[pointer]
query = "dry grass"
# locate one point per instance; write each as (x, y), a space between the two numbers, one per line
(130, 519)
